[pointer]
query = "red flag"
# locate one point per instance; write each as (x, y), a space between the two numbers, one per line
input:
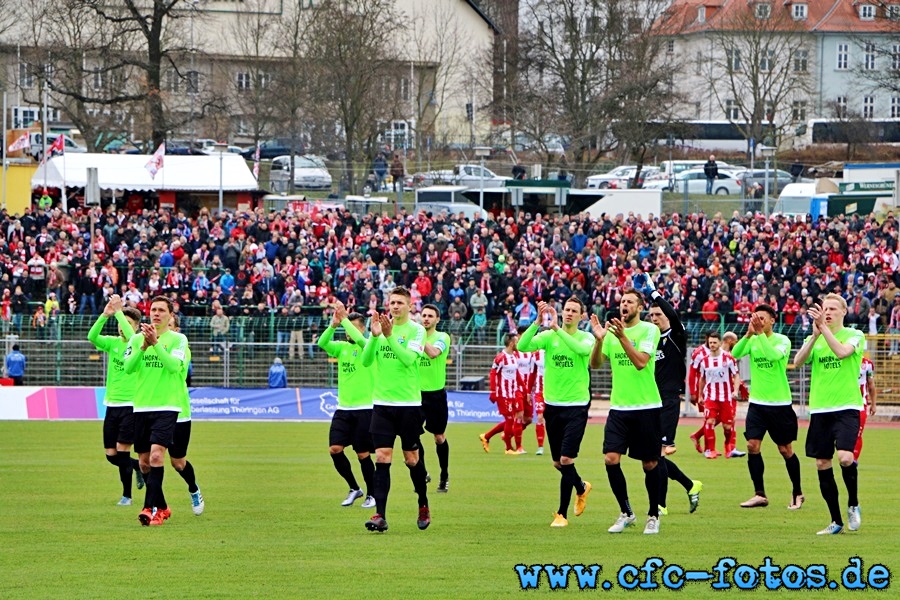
(256, 162)
(20, 144)
(57, 147)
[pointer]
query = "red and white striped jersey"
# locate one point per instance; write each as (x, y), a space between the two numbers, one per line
(718, 371)
(866, 370)
(504, 375)
(524, 366)
(538, 373)
(697, 356)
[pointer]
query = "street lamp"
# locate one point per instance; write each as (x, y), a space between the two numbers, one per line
(221, 149)
(767, 153)
(482, 152)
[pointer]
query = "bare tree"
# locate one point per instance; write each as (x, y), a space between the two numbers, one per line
(355, 72)
(880, 68)
(761, 67)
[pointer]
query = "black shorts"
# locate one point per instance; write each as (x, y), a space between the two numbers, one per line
(830, 431)
(118, 426)
(635, 432)
(668, 419)
(154, 427)
(181, 440)
(351, 428)
(780, 422)
(434, 409)
(388, 422)
(565, 429)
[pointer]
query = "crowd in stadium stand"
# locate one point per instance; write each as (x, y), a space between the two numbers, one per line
(259, 263)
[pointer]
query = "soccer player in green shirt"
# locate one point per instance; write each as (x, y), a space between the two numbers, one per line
(159, 357)
(181, 439)
(633, 424)
(396, 345)
(835, 353)
(353, 417)
(118, 423)
(432, 380)
(770, 409)
(567, 395)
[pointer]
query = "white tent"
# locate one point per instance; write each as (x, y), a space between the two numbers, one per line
(128, 172)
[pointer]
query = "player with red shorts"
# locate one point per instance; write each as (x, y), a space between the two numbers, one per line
(525, 365)
(718, 380)
(504, 380)
(537, 392)
(701, 352)
(867, 388)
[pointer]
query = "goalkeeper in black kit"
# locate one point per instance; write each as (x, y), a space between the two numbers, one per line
(671, 371)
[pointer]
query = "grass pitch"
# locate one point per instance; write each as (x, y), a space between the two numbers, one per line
(273, 526)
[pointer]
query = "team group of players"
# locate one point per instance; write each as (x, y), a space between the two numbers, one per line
(391, 383)
(147, 403)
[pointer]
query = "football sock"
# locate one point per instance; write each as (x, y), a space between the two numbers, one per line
(700, 433)
(422, 455)
(508, 432)
(187, 473)
(125, 471)
(709, 436)
(757, 468)
(417, 474)
(830, 493)
(155, 497)
(793, 469)
(517, 433)
(851, 481)
(367, 465)
(382, 486)
(540, 431)
(651, 482)
(443, 454)
(676, 474)
(113, 459)
(619, 487)
(728, 436)
(567, 480)
(663, 466)
(732, 439)
(342, 466)
(495, 430)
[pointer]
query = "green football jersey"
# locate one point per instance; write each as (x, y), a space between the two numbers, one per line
(355, 381)
(119, 384)
(633, 389)
(567, 375)
(834, 382)
(185, 414)
(160, 371)
(768, 367)
(397, 362)
(433, 371)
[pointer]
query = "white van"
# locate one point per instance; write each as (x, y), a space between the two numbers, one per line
(795, 198)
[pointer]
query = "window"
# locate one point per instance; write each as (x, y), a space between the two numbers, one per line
(173, 81)
(892, 11)
(868, 107)
(866, 12)
(97, 79)
(264, 80)
(670, 47)
(840, 107)
(801, 61)
(404, 89)
(732, 112)
(243, 82)
(594, 27)
(798, 11)
(763, 10)
(698, 105)
(895, 57)
(192, 82)
(698, 64)
(843, 56)
(895, 107)
(798, 110)
(770, 111)
(869, 63)
(26, 76)
(767, 61)
(733, 59)
(701, 14)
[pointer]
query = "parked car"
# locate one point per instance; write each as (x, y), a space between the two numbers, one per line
(751, 177)
(695, 179)
(37, 149)
(270, 149)
(310, 172)
(211, 150)
(472, 176)
(611, 178)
